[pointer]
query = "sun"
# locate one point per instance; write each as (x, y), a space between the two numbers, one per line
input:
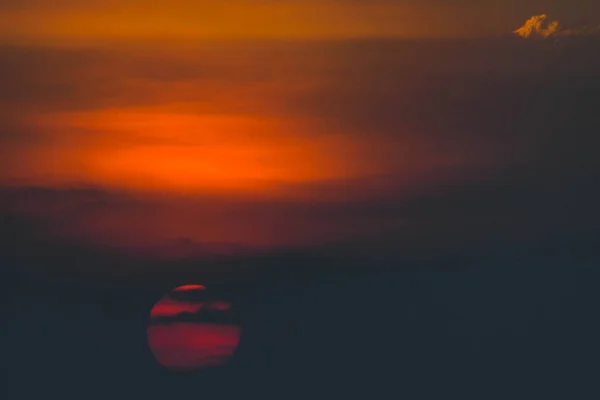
(191, 329)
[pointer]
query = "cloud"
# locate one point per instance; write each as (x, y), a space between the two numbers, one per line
(536, 26)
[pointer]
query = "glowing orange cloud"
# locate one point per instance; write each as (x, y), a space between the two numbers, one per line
(535, 26)
(154, 150)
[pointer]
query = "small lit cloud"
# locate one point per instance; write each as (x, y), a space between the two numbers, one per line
(537, 26)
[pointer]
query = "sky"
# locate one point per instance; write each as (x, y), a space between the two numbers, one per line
(77, 21)
(143, 145)
(136, 136)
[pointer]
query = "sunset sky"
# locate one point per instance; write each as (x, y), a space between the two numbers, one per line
(185, 128)
(389, 188)
(96, 20)
(369, 195)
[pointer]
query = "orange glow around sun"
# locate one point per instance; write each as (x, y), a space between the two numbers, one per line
(160, 150)
(232, 148)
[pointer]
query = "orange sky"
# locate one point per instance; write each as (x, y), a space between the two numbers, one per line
(253, 137)
(213, 121)
(97, 21)
(75, 21)
(248, 127)
(158, 149)
(310, 122)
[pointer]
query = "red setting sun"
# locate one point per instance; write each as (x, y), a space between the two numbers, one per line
(187, 331)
